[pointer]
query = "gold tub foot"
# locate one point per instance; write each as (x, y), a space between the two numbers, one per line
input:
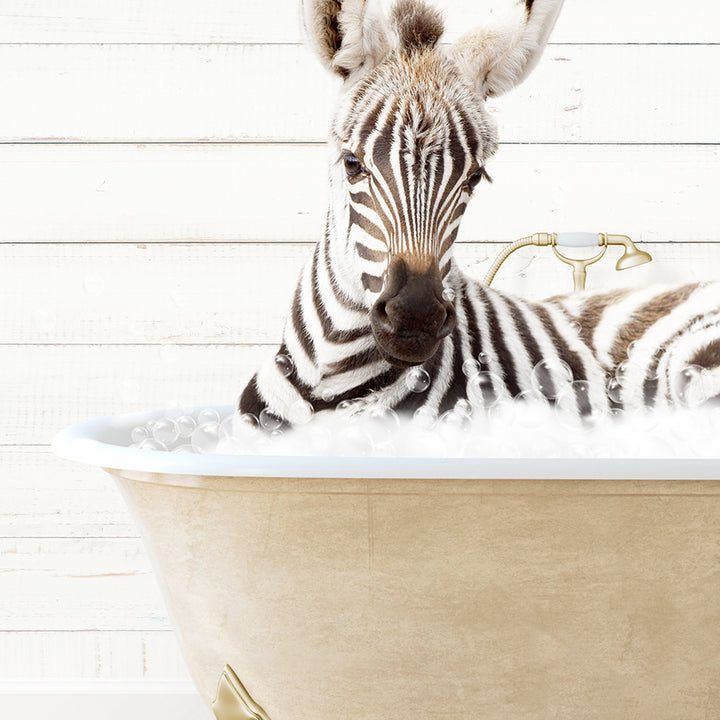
(233, 702)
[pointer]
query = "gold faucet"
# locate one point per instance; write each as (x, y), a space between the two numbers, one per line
(631, 256)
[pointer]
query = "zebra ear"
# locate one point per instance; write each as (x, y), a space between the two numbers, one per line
(346, 34)
(502, 52)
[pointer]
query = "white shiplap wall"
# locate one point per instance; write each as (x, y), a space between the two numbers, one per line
(152, 225)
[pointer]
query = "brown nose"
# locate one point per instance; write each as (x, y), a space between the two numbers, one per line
(411, 317)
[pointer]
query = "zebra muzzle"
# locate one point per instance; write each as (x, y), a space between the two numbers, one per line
(411, 317)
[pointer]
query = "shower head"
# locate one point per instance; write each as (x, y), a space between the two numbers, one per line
(631, 256)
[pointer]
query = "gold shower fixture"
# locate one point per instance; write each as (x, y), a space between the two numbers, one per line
(631, 256)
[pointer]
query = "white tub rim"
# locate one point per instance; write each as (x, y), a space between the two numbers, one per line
(95, 442)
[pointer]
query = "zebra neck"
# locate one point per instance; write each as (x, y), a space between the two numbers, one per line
(327, 329)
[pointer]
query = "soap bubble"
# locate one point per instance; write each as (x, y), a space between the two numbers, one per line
(139, 433)
(382, 423)
(351, 410)
(245, 423)
(470, 368)
(575, 402)
(627, 367)
(300, 412)
(574, 397)
(448, 294)
(484, 389)
(185, 425)
(693, 385)
(227, 427)
(166, 431)
(530, 395)
(534, 410)
(284, 365)
(327, 396)
(484, 360)
(425, 417)
(208, 415)
(453, 424)
(614, 389)
(269, 420)
(152, 444)
(506, 413)
(205, 437)
(231, 442)
(417, 380)
(550, 376)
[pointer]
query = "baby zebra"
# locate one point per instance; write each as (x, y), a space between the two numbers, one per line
(382, 295)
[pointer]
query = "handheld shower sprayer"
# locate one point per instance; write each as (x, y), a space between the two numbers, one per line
(631, 256)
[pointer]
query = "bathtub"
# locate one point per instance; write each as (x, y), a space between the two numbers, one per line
(366, 588)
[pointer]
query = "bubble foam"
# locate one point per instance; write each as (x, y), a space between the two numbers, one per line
(506, 428)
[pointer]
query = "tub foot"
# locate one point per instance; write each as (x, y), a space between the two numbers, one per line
(232, 701)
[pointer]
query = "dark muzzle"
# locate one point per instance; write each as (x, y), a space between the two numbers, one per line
(411, 317)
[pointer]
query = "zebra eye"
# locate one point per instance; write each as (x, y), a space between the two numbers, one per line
(476, 177)
(353, 166)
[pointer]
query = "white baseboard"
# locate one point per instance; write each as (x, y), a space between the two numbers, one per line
(105, 699)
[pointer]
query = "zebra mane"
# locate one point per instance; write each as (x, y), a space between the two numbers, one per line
(417, 24)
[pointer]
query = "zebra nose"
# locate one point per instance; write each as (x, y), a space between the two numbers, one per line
(437, 319)
(411, 316)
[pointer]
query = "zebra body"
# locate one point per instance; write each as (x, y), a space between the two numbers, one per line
(382, 295)
(641, 339)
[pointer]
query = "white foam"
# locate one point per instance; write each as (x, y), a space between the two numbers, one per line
(509, 428)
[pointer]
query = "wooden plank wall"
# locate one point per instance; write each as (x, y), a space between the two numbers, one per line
(162, 178)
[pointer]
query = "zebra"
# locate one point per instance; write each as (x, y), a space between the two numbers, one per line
(382, 300)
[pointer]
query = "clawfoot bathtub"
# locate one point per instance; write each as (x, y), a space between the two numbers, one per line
(414, 589)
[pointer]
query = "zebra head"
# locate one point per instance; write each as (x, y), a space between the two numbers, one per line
(409, 143)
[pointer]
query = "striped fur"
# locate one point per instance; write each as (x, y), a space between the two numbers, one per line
(409, 143)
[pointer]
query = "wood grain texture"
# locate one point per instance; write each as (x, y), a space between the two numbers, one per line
(59, 193)
(253, 93)
(42, 496)
(46, 388)
(108, 699)
(241, 292)
(173, 21)
(78, 584)
(90, 654)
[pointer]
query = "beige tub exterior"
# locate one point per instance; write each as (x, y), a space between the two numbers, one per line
(416, 599)
(414, 589)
